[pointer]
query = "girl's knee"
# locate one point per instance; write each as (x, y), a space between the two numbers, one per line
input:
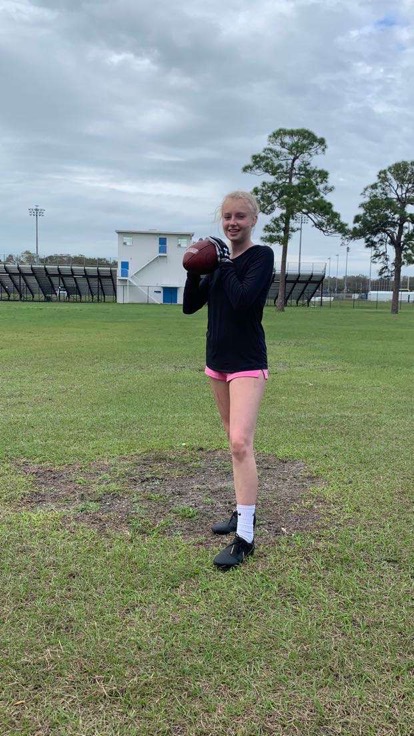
(241, 446)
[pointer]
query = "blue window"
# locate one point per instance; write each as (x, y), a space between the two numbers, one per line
(162, 246)
(124, 269)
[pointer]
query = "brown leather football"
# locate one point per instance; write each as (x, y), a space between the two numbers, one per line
(200, 257)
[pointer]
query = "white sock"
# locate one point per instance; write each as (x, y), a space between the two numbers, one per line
(245, 522)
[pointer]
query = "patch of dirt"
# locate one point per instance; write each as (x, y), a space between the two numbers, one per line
(174, 493)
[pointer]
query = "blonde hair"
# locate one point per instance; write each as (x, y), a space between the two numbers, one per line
(249, 198)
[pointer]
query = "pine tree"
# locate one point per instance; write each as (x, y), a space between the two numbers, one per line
(295, 188)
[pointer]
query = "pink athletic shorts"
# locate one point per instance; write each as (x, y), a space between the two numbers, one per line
(241, 374)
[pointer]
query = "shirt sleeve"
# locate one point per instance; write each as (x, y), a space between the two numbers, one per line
(195, 292)
(242, 293)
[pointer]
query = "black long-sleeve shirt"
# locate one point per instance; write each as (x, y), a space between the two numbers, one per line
(236, 294)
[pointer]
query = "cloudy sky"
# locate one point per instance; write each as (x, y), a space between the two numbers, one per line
(139, 114)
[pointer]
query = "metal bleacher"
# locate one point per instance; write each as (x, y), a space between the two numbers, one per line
(300, 287)
(57, 283)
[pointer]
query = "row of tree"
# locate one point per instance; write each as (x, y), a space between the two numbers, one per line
(63, 259)
(296, 188)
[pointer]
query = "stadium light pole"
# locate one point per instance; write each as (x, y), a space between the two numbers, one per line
(301, 219)
(346, 268)
(36, 212)
(329, 275)
(337, 268)
(370, 270)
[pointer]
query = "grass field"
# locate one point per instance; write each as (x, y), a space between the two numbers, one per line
(126, 629)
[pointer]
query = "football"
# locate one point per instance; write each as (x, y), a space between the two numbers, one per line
(201, 257)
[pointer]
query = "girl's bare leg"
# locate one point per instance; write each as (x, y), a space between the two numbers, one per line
(222, 398)
(245, 395)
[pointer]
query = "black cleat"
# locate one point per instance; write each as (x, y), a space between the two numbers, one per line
(230, 526)
(226, 527)
(234, 554)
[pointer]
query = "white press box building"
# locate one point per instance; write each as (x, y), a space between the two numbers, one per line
(150, 269)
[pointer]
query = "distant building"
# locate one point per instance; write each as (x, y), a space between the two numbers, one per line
(150, 267)
(386, 296)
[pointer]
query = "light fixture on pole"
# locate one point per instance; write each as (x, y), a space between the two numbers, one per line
(300, 219)
(36, 212)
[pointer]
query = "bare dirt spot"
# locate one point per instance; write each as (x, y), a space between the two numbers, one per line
(174, 493)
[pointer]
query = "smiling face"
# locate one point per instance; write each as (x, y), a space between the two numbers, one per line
(238, 220)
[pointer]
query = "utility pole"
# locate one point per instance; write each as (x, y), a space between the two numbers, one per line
(36, 212)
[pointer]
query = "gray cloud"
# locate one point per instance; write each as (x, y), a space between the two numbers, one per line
(139, 115)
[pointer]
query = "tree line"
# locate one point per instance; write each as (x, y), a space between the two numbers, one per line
(296, 188)
(61, 259)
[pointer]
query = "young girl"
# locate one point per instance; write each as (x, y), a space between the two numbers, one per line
(236, 354)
